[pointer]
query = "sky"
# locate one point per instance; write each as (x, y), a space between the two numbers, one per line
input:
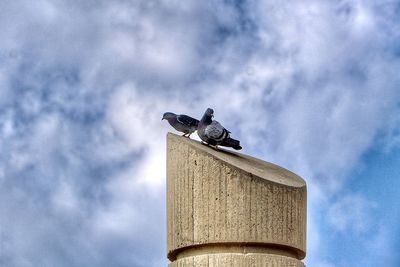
(310, 85)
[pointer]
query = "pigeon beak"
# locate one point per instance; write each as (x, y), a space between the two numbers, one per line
(163, 119)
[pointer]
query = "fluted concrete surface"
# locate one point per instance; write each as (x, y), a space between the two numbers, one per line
(228, 209)
(249, 260)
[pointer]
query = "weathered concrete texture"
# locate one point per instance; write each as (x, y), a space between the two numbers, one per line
(237, 260)
(228, 209)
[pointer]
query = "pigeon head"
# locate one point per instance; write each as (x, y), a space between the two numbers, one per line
(207, 117)
(210, 112)
(168, 116)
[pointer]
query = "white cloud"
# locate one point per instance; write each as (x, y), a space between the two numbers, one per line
(351, 213)
(306, 85)
(65, 198)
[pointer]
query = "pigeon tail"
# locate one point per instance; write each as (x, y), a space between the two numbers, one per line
(230, 142)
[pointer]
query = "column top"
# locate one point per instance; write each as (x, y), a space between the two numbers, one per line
(257, 167)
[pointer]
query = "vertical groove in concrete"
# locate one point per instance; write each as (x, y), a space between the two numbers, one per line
(236, 210)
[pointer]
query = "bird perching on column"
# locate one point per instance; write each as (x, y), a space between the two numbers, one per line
(213, 133)
(182, 123)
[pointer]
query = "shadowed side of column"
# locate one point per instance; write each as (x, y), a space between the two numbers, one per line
(229, 209)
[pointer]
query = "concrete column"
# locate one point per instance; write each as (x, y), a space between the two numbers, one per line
(229, 209)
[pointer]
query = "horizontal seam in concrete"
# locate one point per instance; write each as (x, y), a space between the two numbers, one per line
(236, 248)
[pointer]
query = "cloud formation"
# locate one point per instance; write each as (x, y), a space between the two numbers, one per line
(310, 85)
(351, 213)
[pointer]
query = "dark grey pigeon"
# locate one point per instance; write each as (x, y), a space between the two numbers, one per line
(213, 133)
(182, 123)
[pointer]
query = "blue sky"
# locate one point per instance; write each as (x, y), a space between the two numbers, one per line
(310, 85)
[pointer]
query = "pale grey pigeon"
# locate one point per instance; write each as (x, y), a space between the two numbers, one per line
(213, 133)
(182, 123)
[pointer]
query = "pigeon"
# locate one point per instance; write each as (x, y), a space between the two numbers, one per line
(213, 133)
(182, 123)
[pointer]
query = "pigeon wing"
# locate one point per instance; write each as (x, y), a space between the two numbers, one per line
(216, 131)
(186, 120)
